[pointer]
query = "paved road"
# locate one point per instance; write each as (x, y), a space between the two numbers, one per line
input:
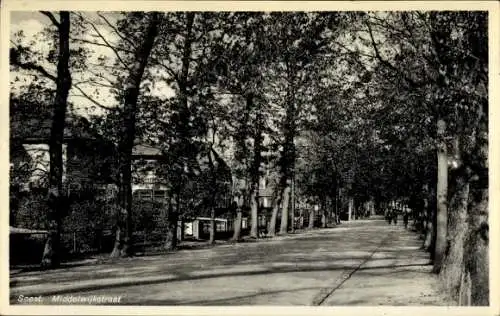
(359, 263)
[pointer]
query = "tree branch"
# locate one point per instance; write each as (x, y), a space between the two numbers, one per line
(118, 33)
(85, 95)
(14, 60)
(93, 82)
(167, 68)
(81, 40)
(387, 63)
(111, 83)
(51, 17)
(107, 44)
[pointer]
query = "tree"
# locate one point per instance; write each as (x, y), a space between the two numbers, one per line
(51, 256)
(241, 68)
(445, 72)
(131, 90)
(299, 40)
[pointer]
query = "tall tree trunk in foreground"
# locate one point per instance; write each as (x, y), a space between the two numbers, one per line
(457, 233)
(442, 196)
(476, 253)
(131, 95)
(51, 252)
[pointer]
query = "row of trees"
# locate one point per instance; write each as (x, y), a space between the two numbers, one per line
(397, 101)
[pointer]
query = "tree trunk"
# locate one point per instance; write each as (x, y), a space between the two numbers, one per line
(442, 195)
(350, 209)
(476, 257)
(255, 167)
(453, 263)
(213, 189)
(254, 207)
(312, 217)
(51, 253)
(183, 79)
(213, 228)
(292, 200)
(237, 225)
(301, 219)
(171, 238)
(274, 216)
(427, 221)
(181, 237)
(131, 94)
(118, 242)
(323, 213)
(284, 211)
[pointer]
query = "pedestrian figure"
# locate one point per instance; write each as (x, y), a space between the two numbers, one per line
(388, 216)
(405, 219)
(395, 216)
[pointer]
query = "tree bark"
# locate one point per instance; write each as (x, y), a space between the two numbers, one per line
(213, 228)
(254, 207)
(427, 223)
(213, 189)
(301, 219)
(274, 216)
(184, 113)
(350, 209)
(51, 253)
(131, 95)
(457, 231)
(285, 211)
(442, 195)
(237, 225)
(476, 254)
(255, 167)
(312, 217)
(171, 238)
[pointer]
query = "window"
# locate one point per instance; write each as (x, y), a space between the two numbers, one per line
(143, 194)
(220, 226)
(160, 194)
(148, 194)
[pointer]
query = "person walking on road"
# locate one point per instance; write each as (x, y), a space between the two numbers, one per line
(406, 216)
(395, 216)
(388, 216)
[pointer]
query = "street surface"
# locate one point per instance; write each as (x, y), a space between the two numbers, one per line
(364, 262)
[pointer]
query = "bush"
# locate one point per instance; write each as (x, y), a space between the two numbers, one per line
(31, 211)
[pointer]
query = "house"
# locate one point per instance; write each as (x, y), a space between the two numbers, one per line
(87, 157)
(89, 162)
(197, 194)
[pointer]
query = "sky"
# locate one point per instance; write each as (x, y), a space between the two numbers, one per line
(33, 23)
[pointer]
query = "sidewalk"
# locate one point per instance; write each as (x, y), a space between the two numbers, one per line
(398, 274)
